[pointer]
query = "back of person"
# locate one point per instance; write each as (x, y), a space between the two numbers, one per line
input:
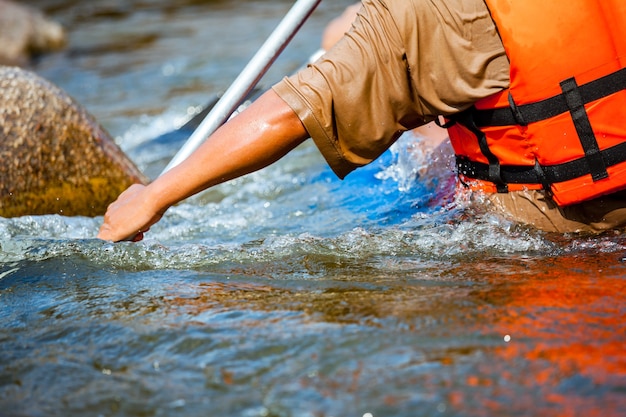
(405, 63)
(556, 128)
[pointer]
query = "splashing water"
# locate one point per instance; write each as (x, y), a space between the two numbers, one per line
(289, 292)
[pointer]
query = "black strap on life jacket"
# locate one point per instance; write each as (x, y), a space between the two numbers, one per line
(494, 168)
(576, 105)
(553, 106)
(572, 99)
(539, 174)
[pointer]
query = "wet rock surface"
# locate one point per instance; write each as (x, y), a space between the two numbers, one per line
(56, 159)
(24, 32)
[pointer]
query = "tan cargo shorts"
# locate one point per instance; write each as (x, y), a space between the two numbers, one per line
(533, 207)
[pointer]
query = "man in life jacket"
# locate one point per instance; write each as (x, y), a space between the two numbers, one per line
(532, 93)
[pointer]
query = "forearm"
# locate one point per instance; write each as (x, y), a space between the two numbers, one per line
(259, 136)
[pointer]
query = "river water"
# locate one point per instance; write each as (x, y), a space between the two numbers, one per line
(289, 292)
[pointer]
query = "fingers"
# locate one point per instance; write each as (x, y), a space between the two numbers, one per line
(112, 237)
(138, 237)
(127, 218)
(106, 233)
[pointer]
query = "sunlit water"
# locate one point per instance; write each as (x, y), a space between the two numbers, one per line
(289, 292)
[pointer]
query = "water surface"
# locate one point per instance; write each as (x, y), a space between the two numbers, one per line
(289, 292)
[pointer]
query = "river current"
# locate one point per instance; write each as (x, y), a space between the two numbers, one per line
(289, 292)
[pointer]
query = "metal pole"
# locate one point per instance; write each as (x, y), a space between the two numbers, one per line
(248, 78)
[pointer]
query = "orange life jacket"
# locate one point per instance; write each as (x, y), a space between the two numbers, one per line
(561, 125)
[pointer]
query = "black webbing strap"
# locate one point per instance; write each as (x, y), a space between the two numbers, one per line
(540, 174)
(553, 106)
(572, 99)
(576, 105)
(493, 169)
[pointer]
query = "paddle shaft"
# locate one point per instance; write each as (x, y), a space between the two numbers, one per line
(248, 78)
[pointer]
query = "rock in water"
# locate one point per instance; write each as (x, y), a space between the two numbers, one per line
(56, 159)
(25, 31)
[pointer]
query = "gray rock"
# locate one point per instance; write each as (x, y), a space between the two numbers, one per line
(55, 157)
(25, 31)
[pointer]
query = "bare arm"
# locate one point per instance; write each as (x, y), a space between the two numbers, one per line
(254, 139)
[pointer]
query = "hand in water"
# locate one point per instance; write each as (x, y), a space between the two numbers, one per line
(130, 216)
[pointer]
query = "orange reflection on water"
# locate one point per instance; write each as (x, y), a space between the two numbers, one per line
(567, 337)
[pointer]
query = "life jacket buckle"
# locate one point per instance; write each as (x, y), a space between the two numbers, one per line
(441, 122)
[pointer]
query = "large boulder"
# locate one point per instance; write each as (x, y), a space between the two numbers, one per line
(25, 31)
(55, 157)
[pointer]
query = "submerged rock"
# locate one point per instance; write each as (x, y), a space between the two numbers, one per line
(55, 157)
(25, 31)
